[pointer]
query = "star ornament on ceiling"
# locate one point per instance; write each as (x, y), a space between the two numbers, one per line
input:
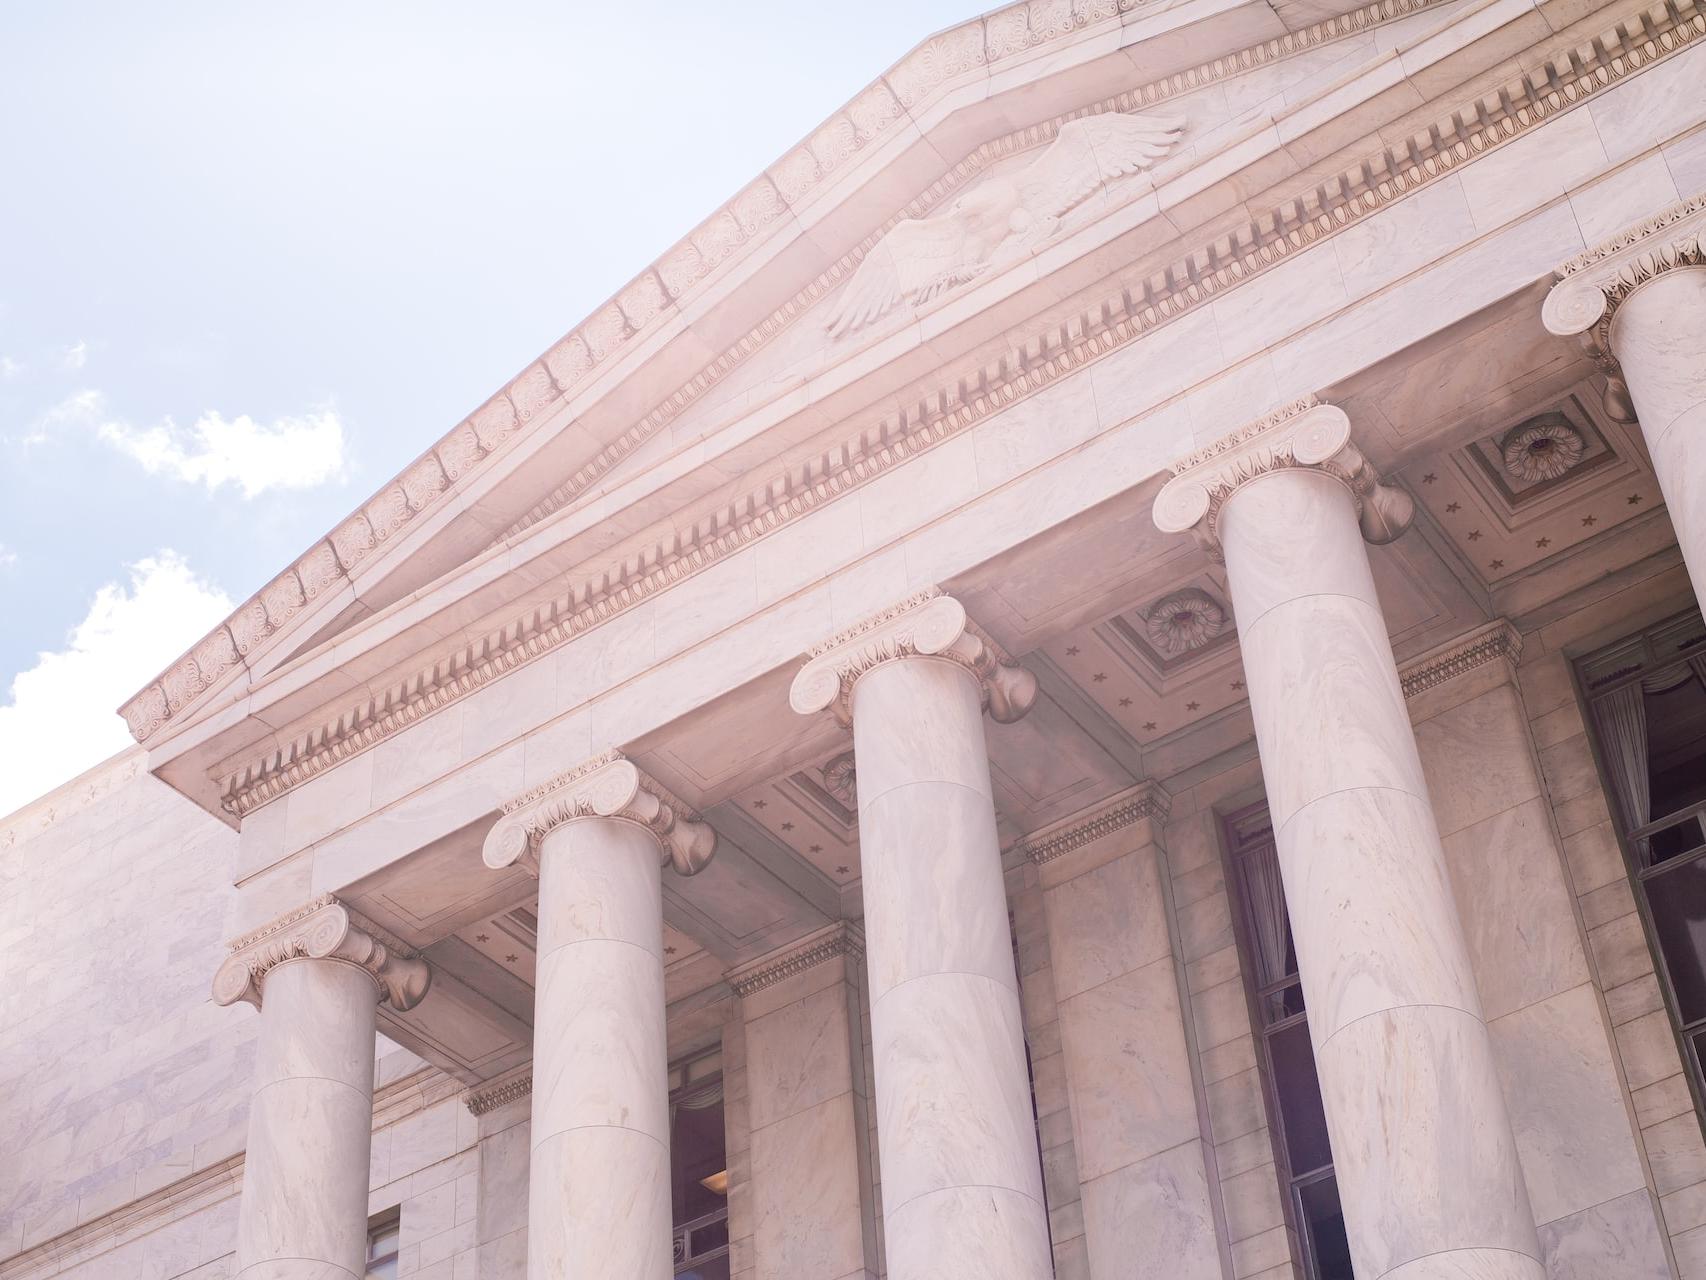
(921, 258)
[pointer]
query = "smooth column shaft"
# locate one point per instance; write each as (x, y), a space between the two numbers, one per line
(1659, 338)
(961, 1185)
(598, 1202)
(1422, 1144)
(303, 1214)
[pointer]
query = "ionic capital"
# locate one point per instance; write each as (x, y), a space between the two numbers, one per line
(325, 929)
(1305, 434)
(928, 624)
(607, 786)
(1593, 285)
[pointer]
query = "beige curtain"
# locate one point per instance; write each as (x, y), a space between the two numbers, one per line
(1621, 718)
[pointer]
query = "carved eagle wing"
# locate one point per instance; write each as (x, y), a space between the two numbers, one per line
(1090, 151)
(917, 259)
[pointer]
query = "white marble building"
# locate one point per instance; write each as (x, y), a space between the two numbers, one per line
(1099, 676)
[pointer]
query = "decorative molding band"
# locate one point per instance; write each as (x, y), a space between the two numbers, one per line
(1497, 641)
(1305, 434)
(1593, 285)
(42, 813)
(607, 786)
(1066, 346)
(1147, 800)
(324, 929)
(646, 304)
(928, 624)
(841, 939)
(510, 1087)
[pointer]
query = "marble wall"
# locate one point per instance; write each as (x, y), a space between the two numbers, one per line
(1143, 1169)
(119, 1076)
(1551, 1039)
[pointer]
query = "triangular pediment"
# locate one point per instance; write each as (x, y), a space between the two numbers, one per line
(869, 281)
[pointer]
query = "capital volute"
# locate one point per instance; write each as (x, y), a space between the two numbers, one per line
(607, 786)
(324, 929)
(928, 624)
(1592, 287)
(1304, 434)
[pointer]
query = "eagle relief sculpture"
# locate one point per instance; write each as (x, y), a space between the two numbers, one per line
(921, 257)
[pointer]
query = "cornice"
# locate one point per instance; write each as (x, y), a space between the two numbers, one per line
(1497, 641)
(927, 624)
(1148, 800)
(1304, 434)
(644, 306)
(872, 448)
(841, 939)
(607, 786)
(1592, 286)
(323, 929)
(510, 1087)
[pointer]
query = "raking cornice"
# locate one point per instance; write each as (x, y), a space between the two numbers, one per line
(966, 397)
(643, 307)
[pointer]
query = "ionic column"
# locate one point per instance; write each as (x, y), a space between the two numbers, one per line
(317, 975)
(597, 838)
(1640, 302)
(1422, 1145)
(961, 1184)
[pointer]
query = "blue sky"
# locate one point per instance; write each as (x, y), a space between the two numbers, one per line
(254, 258)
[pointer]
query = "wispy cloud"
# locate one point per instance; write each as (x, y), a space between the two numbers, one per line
(8, 557)
(60, 717)
(10, 368)
(75, 356)
(287, 453)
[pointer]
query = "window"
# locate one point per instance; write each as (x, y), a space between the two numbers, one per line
(384, 1234)
(1284, 1054)
(699, 1169)
(1646, 699)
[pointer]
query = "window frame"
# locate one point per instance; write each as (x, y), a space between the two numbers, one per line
(1640, 871)
(688, 1076)
(386, 1220)
(1291, 1182)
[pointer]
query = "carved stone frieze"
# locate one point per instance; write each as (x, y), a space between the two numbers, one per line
(1593, 285)
(324, 929)
(842, 939)
(510, 1087)
(1147, 800)
(607, 786)
(874, 447)
(928, 624)
(1305, 433)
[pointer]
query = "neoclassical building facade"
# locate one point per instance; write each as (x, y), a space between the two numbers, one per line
(1099, 676)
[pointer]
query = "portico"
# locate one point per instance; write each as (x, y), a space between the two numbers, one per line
(1031, 700)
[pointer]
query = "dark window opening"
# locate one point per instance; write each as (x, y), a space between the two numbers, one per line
(699, 1170)
(1284, 1054)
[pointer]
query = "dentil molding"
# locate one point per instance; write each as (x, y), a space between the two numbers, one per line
(1304, 434)
(839, 939)
(1067, 345)
(1147, 800)
(324, 929)
(607, 786)
(1593, 285)
(928, 624)
(1497, 641)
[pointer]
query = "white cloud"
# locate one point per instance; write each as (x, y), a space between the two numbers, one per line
(61, 717)
(291, 453)
(8, 557)
(9, 368)
(75, 357)
(288, 453)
